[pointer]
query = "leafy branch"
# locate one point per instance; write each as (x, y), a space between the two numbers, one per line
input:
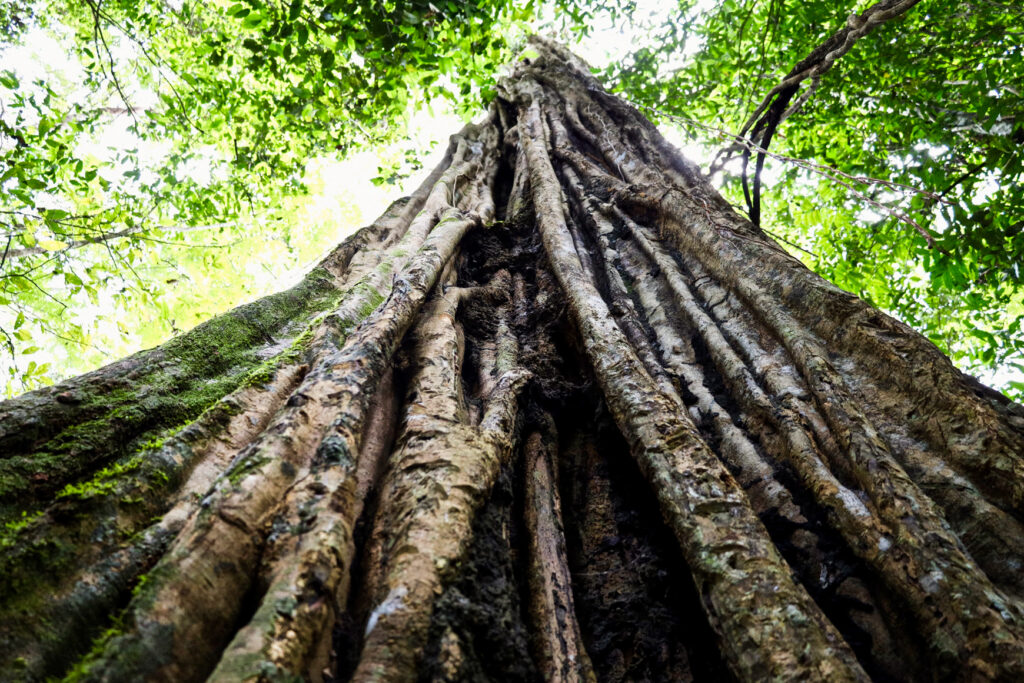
(108, 236)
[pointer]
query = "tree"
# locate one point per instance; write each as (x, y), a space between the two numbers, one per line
(436, 455)
(894, 168)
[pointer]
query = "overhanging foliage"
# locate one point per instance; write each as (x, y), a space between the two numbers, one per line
(241, 95)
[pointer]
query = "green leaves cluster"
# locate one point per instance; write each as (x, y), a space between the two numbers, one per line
(168, 126)
(931, 101)
(165, 123)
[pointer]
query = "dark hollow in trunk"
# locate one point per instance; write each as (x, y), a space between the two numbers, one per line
(561, 414)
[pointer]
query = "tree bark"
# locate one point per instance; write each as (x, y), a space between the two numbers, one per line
(561, 414)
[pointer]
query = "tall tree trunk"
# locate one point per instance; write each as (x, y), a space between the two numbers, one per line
(561, 414)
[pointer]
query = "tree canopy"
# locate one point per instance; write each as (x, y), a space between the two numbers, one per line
(898, 176)
(923, 113)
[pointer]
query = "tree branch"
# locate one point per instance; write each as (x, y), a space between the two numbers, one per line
(774, 108)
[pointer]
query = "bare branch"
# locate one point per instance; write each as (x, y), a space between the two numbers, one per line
(833, 174)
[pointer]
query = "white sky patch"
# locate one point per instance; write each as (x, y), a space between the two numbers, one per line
(610, 41)
(1003, 375)
(985, 189)
(352, 179)
(199, 168)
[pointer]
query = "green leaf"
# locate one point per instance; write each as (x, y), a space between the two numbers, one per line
(326, 63)
(52, 245)
(253, 20)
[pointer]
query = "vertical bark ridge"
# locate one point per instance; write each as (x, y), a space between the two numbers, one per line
(925, 547)
(620, 303)
(992, 536)
(78, 580)
(926, 380)
(778, 430)
(732, 559)
(321, 421)
(57, 574)
(558, 645)
(897, 360)
(769, 497)
(999, 530)
(862, 454)
(306, 563)
(439, 476)
(87, 419)
(640, 619)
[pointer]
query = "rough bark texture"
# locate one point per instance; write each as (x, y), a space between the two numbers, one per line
(561, 414)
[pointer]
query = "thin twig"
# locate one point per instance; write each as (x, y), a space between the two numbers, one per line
(159, 64)
(100, 37)
(109, 236)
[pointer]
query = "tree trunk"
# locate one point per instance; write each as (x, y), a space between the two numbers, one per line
(561, 414)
